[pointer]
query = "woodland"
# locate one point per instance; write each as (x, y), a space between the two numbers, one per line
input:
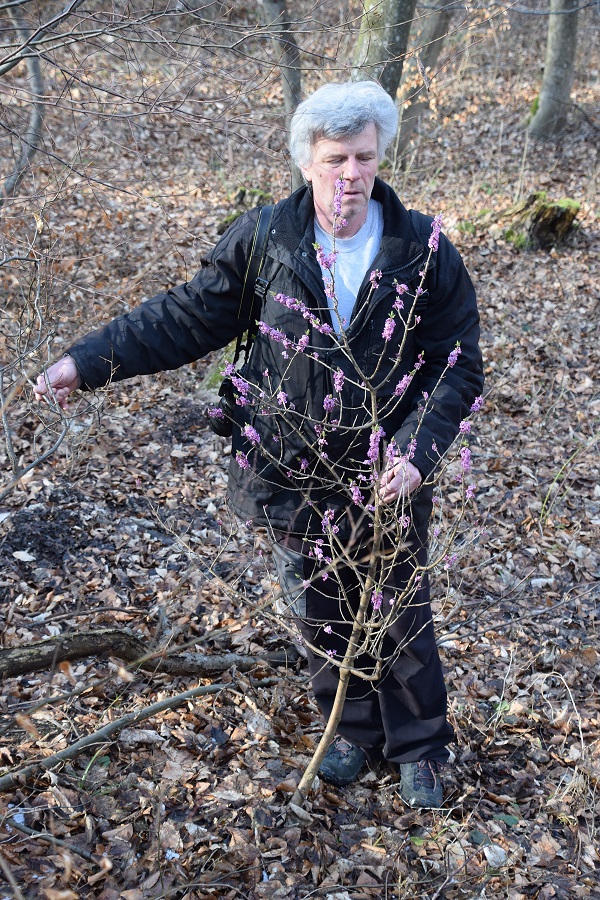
(155, 716)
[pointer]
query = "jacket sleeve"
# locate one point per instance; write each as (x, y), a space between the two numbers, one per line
(451, 319)
(178, 326)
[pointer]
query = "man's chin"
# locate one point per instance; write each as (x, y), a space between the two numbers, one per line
(354, 206)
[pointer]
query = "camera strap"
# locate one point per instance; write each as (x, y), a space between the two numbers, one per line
(253, 282)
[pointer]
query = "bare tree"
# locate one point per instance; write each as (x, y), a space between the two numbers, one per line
(553, 102)
(430, 44)
(382, 42)
(276, 19)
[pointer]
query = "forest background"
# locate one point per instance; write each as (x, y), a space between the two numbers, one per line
(156, 125)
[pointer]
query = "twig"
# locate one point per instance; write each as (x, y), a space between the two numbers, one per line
(10, 878)
(12, 779)
(50, 839)
(501, 625)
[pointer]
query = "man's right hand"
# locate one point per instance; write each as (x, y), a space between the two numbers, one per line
(58, 380)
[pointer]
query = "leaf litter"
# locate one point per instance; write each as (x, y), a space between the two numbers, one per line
(194, 803)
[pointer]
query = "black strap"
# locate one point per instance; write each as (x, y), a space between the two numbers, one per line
(253, 282)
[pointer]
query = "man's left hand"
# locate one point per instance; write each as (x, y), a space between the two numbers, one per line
(399, 478)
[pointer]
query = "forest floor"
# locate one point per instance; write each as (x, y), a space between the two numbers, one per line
(114, 532)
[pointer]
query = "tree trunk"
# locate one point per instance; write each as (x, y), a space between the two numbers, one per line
(431, 42)
(275, 17)
(382, 42)
(550, 117)
(31, 139)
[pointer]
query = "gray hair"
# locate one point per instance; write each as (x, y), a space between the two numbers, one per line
(342, 110)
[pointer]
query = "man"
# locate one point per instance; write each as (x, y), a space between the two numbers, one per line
(308, 459)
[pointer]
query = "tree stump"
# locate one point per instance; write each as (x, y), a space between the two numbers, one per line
(535, 222)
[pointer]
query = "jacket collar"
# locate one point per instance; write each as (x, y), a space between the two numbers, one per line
(294, 223)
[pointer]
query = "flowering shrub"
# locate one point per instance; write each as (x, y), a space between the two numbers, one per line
(349, 442)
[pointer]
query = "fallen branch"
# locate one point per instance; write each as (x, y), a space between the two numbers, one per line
(126, 646)
(12, 779)
(56, 842)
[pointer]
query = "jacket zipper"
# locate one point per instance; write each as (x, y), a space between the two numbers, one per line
(406, 267)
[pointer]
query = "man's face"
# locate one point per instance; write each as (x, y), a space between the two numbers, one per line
(355, 160)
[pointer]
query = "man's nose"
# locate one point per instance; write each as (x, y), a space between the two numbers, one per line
(351, 171)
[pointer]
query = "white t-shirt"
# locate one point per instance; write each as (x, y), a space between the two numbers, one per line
(355, 257)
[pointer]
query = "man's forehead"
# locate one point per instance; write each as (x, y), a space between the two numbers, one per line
(367, 135)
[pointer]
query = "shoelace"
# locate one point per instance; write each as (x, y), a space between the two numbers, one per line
(427, 773)
(341, 746)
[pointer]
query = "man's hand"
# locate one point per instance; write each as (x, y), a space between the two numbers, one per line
(399, 478)
(59, 380)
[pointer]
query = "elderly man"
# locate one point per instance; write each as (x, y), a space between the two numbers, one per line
(304, 423)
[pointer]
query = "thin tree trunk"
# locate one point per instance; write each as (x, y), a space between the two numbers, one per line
(382, 42)
(30, 140)
(550, 117)
(430, 46)
(275, 17)
(346, 669)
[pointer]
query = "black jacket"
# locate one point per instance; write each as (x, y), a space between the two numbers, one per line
(189, 321)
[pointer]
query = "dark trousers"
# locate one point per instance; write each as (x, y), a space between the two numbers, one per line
(402, 715)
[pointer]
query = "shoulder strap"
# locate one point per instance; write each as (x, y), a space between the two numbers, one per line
(252, 280)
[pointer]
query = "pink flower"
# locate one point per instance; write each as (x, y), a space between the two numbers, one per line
(357, 496)
(388, 329)
(374, 278)
(465, 459)
(251, 434)
(340, 187)
(326, 260)
(376, 599)
(436, 227)
(402, 386)
(452, 359)
(477, 404)
(242, 460)
(373, 451)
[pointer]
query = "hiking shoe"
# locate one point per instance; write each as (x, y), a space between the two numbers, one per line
(342, 763)
(421, 784)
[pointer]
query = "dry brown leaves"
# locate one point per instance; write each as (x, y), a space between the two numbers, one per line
(194, 804)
